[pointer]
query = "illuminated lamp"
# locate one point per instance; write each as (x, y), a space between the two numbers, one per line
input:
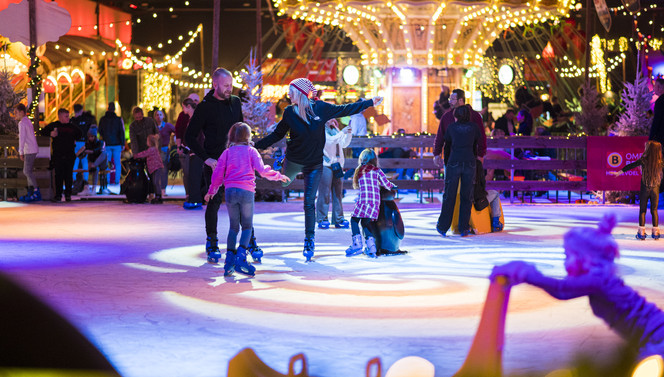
(136, 67)
(544, 97)
(351, 75)
(406, 75)
(411, 366)
(649, 367)
(17, 70)
(505, 74)
(126, 64)
(469, 73)
(377, 73)
(49, 85)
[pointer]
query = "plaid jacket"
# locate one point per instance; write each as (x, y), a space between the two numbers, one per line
(368, 201)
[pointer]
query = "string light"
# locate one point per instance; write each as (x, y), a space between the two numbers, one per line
(386, 34)
(156, 90)
(35, 82)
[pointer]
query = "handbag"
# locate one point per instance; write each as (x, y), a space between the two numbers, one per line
(337, 170)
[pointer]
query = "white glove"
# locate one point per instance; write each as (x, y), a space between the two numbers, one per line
(377, 100)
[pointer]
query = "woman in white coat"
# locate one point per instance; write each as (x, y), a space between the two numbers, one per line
(331, 187)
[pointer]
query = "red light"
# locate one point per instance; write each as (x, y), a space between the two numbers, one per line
(132, 6)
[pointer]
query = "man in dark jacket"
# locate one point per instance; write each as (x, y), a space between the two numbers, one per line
(457, 98)
(214, 117)
(657, 128)
(140, 129)
(63, 154)
(112, 131)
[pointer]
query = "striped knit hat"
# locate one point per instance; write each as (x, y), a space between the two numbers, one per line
(303, 85)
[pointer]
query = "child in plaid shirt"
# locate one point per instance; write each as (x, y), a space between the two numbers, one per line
(369, 179)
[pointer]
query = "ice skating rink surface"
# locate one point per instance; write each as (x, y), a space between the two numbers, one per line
(133, 279)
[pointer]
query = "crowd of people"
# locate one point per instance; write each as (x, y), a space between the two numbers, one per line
(215, 146)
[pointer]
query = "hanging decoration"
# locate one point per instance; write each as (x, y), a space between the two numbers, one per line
(603, 14)
(425, 33)
(156, 91)
(489, 78)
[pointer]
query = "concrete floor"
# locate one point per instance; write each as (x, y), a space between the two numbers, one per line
(132, 277)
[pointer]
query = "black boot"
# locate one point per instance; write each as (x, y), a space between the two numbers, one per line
(212, 249)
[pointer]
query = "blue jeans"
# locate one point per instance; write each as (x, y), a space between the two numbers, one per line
(240, 205)
(330, 189)
(114, 153)
(82, 161)
(456, 172)
(312, 175)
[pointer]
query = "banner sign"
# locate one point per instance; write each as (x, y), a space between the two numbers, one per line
(612, 153)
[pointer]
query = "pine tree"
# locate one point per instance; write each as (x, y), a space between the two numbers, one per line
(8, 99)
(636, 99)
(255, 112)
(592, 117)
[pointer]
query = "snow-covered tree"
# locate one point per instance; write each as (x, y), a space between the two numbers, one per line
(636, 99)
(8, 99)
(255, 112)
(592, 117)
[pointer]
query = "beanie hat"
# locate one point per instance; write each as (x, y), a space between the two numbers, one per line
(92, 131)
(303, 85)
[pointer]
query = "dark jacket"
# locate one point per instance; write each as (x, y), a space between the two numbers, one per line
(307, 140)
(139, 132)
(83, 123)
(480, 200)
(63, 146)
(213, 117)
(657, 128)
(447, 119)
(96, 146)
(461, 143)
(111, 129)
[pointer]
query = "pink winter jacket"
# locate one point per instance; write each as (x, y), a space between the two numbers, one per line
(236, 166)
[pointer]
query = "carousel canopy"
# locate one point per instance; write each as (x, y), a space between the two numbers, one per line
(420, 33)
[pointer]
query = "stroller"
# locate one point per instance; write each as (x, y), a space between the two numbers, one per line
(136, 185)
(389, 225)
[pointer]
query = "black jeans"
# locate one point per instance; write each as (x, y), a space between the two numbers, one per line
(455, 172)
(64, 169)
(368, 225)
(212, 210)
(652, 194)
(195, 180)
(312, 175)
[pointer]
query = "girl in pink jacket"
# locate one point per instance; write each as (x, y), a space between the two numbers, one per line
(235, 170)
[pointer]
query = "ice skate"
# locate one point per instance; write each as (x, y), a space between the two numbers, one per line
(256, 252)
(241, 264)
(36, 195)
(309, 246)
(323, 224)
(370, 249)
(641, 233)
(496, 225)
(356, 246)
(212, 250)
(229, 262)
(655, 233)
(27, 198)
(343, 224)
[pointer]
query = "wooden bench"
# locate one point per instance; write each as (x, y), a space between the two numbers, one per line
(9, 160)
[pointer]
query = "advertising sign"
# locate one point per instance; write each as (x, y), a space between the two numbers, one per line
(609, 153)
